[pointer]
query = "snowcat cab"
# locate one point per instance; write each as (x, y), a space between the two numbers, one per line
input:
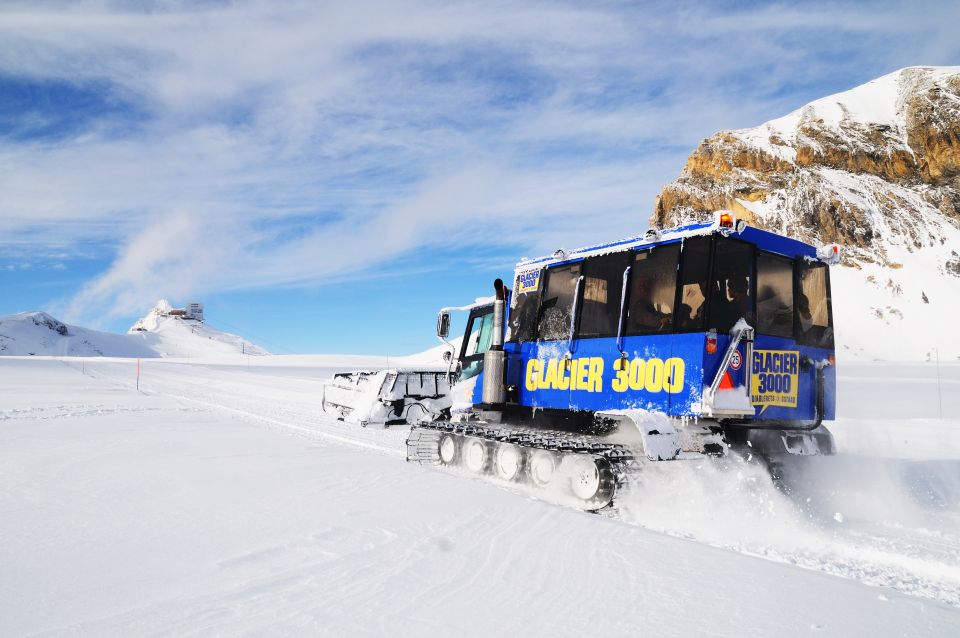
(678, 344)
(465, 370)
(409, 393)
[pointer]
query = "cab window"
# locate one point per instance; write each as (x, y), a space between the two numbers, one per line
(774, 295)
(813, 306)
(731, 297)
(557, 305)
(477, 340)
(653, 287)
(524, 303)
(481, 332)
(602, 289)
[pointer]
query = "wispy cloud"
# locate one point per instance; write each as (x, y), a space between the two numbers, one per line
(241, 144)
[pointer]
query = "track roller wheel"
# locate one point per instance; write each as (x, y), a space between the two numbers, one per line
(508, 461)
(543, 466)
(591, 480)
(447, 450)
(476, 455)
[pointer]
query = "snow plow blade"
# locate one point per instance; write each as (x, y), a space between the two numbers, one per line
(382, 398)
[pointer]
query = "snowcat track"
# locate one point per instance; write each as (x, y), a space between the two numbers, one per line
(574, 469)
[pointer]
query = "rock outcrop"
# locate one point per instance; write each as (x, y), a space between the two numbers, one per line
(875, 169)
(876, 165)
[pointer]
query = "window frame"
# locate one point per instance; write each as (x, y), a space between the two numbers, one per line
(676, 282)
(795, 279)
(711, 243)
(627, 256)
(753, 279)
(544, 282)
(515, 297)
(799, 264)
(465, 361)
(475, 314)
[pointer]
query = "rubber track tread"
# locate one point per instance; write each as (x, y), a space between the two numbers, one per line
(616, 467)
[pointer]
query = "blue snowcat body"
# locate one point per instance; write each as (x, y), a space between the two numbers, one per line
(683, 344)
(591, 357)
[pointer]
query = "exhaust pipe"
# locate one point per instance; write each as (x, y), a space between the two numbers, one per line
(494, 391)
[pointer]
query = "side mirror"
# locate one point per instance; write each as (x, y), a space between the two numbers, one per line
(443, 325)
(447, 356)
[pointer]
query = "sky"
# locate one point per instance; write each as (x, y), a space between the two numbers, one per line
(324, 176)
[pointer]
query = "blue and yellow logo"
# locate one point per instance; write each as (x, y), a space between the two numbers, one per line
(586, 373)
(775, 377)
(528, 281)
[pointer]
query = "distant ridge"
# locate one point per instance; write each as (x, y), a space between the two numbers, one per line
(155, 335)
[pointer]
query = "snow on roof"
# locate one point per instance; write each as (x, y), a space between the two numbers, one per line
(778, 243)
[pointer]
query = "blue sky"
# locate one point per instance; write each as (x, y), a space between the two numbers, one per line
(324, 176)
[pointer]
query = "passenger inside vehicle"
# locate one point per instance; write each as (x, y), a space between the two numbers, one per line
(643, 311)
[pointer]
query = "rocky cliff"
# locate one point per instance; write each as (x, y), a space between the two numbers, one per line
(875, 169)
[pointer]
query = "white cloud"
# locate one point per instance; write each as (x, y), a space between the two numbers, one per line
(289, 143)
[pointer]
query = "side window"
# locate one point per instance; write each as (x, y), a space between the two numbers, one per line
(694, 272)
(476, 341)
(813, 310)
(602, 287)
(774, 295)
(481, 333)
(522, 323)
(730, 286)
(653, 288)
(555, 309)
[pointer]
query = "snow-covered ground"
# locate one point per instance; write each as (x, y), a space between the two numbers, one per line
(218, 500)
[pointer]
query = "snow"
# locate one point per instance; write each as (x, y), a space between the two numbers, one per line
(878, 102)
(874, 102)
(36, 333)
(219, 500)
(733, 399)
(155, 335)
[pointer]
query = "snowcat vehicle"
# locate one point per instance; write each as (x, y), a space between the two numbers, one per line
(410, 393)
(678, 345)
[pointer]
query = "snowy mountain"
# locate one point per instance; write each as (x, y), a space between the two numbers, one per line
(158, 334)
(37, 333)
(875, 169)
(170, 335)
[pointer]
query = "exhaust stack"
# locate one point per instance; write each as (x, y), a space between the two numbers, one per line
(494, 392)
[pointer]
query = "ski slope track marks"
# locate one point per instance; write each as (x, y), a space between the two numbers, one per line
(177, 510)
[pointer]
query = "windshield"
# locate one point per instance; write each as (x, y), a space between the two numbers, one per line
(522, 323)
(556, 309)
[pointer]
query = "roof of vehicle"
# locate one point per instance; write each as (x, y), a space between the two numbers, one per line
(765, 240)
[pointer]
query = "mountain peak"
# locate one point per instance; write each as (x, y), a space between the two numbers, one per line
(40, 318)
(162, 306)
(875, 169)
(178, 332)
